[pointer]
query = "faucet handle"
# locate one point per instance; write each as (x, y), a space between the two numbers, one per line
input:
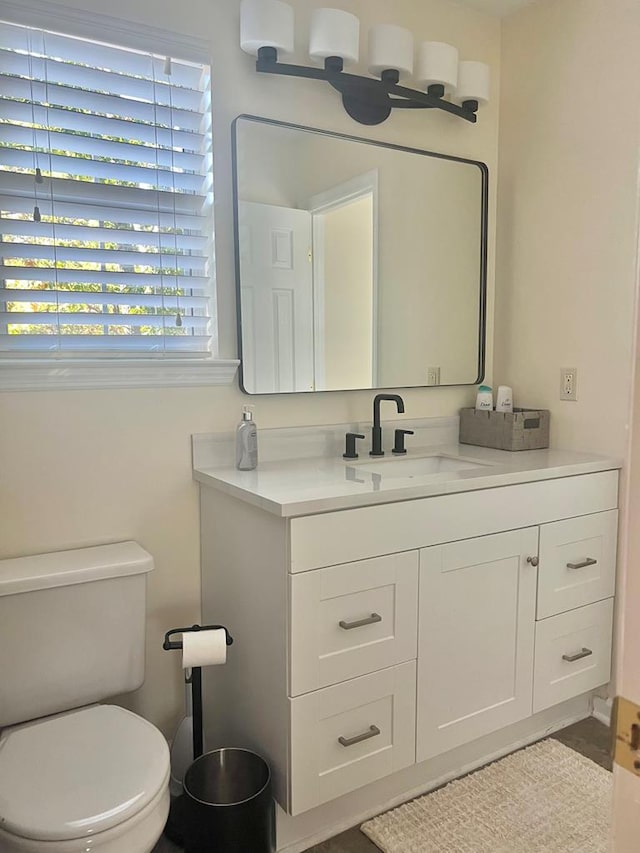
(350, 445)
(399, 447)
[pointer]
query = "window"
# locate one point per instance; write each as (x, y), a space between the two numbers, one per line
(105, 201)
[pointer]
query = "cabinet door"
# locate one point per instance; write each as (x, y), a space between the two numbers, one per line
(475, 638)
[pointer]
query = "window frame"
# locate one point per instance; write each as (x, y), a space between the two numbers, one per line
(57, 372)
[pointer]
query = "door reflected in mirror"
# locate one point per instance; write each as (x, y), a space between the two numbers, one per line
(359, 264)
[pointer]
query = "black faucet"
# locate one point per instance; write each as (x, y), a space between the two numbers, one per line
(376, 432)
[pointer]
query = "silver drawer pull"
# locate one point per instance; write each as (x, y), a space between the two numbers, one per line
(578, 655)
(370, 620)
(588, 562)
(350, 741)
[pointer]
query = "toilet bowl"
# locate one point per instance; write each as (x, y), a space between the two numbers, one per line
(75, 776)
(95, 779)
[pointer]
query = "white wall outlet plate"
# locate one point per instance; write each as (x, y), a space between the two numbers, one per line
(568, 383)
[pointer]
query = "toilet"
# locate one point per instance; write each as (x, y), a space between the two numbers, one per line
(77, 776)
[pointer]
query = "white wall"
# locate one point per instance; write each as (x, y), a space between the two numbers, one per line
(567, 201)
(85, 467)
(567, 260)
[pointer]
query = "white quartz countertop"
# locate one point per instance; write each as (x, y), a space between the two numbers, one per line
(305, 486)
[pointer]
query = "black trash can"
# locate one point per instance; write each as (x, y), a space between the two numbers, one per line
(228, 806)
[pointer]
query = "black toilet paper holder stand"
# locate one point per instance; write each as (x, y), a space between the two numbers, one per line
(174, 828)
(195, 680)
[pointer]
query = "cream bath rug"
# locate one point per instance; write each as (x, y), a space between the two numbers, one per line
(543, 799)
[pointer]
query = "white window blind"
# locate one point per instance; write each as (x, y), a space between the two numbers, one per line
(106, 231)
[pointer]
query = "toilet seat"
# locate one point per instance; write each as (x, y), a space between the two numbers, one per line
(79, 774)
(139, 834)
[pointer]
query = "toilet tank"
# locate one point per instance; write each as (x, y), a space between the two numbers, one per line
(72, 628)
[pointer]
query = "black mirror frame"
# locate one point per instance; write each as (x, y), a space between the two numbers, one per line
(482, 318)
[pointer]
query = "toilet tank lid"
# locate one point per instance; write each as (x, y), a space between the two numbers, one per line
(65, 568)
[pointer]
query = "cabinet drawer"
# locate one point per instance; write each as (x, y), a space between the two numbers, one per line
(356, 534)
(352, 619)
(351, 734)
(573, 653)
(577, 562)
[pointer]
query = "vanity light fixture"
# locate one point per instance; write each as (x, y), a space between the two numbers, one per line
(267, 32)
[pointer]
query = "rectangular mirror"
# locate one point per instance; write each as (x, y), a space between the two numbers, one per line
(359, 264)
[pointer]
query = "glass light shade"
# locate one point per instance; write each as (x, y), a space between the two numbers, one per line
(266, 23)
(334, 33)
(473, 82)
(390, 47)
(438, 63)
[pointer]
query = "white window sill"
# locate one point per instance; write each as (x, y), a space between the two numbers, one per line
(61, 375)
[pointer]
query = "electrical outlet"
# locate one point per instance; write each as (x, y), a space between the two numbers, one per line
(433, 375)
(568, 383)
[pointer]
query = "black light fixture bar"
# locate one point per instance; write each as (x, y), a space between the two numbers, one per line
(368, 100)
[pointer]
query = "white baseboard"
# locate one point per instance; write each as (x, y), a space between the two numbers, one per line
(602, 709)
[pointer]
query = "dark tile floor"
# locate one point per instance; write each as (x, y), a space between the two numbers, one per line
(588, 737)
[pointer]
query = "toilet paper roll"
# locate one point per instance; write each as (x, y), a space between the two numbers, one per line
(204, 648)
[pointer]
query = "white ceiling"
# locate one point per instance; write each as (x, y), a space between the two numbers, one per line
(497, 7)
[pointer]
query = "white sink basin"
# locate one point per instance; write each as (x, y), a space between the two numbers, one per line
(424, 466)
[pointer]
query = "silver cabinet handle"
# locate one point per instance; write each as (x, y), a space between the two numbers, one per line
(578, 655)
(370, 620)
(350, 741)
(588, 562)
(533, 561)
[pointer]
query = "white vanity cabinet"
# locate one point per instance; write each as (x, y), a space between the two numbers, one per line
(371, 638)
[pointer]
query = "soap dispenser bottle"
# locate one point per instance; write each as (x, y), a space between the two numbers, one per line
(246, 442)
